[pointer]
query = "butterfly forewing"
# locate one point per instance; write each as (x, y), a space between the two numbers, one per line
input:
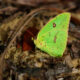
(52, 38)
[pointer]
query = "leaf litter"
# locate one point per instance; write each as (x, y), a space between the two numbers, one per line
(31, 63)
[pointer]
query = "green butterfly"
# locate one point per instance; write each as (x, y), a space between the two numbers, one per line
(52, 38)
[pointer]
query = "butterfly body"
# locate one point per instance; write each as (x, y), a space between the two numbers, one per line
(52, 38)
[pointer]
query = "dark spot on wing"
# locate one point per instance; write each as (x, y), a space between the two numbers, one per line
(54, 25)
(55, 39)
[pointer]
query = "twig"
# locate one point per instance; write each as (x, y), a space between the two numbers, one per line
(8, 9)
(68, 74)
(32, 3)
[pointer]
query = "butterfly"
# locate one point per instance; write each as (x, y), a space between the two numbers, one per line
(52, 38)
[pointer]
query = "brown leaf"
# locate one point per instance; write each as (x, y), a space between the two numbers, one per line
(27, 43)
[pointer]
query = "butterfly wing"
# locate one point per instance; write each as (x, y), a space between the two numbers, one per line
(52, 38)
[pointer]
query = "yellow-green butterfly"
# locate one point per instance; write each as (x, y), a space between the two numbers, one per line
(52, 38)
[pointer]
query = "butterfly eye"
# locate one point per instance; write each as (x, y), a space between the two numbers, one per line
(54, 25)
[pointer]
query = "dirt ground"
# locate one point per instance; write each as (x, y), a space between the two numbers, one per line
(20, 59)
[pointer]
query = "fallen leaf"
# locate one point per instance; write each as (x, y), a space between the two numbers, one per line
(27, 43)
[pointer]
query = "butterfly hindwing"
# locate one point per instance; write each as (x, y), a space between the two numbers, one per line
(52, 38)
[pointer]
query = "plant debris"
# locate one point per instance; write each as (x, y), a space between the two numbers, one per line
(20, 22)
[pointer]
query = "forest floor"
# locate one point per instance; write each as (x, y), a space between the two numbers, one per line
(20, 59)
